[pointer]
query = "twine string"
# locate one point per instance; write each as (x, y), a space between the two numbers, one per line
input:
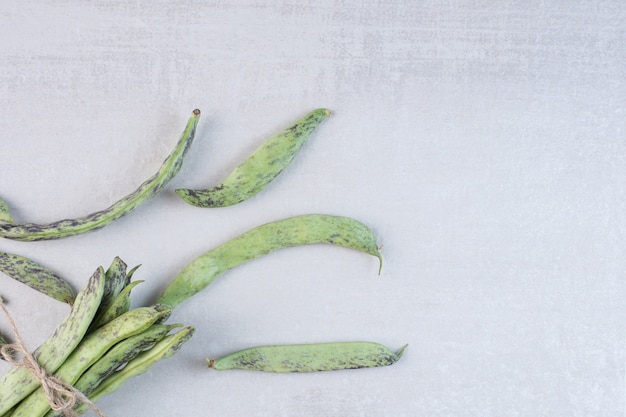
(60, 395)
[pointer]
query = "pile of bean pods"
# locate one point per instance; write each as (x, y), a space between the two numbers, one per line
(102, 343)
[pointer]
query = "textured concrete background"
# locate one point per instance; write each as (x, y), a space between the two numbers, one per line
(483, 142)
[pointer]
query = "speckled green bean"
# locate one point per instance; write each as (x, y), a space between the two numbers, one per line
(5, 213)
(36, 276)
(294, 231)
(117, 307)
(130, 273)
(16, 384)
(309, 357)
(97, 220)
(116, 281)
(265, 164)
(141, 364)
(92, 348)
(117, 356)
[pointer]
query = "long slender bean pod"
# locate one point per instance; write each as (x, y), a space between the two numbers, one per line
(141, 364)
(36, 276)
(92, 348)
(294, 231)
(119, 306)
(117, 356)
(265, 164)
(309, 357)
(5, 213)
(150, 188)
(19, 382)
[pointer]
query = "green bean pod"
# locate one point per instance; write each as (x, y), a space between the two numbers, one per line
(265, 164)
(16, 384)
(5, 213)
(150, 188)
(130, 273)
(294, 231)
(92, 348)
(309, 357)
(117, 307)
(36, 276)
(117, 356)
(141, 364)
(116, 281)
(165, 310)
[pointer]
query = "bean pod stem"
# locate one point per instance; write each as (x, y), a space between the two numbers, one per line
(150, 188)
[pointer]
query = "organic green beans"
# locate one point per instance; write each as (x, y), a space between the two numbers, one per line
(5, 213)
(267, 161)
(19, 382)
(97, 220)
(294, 231)
(309, 358)
(116, 357)
(119, 306)
(116, 281)
(36, 276)
(92, 348)
(141, 364)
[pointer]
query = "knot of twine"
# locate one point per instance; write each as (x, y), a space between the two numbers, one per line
(61, 396)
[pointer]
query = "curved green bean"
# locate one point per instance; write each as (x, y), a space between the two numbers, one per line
(19, 382)
(37, 277)
(141, 364)
(294, 231)
(92, 348)
(5, 213)
(150, 188)
(309, 357)
(265, 164)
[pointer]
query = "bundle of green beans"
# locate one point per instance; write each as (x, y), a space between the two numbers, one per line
(100, 345)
